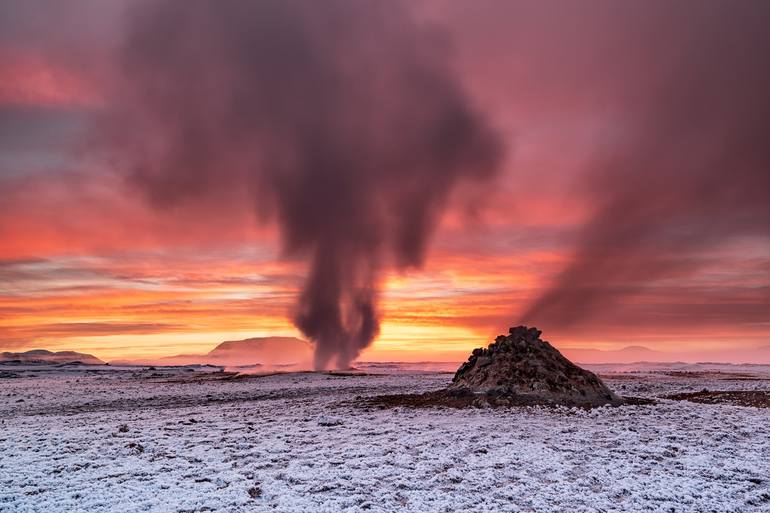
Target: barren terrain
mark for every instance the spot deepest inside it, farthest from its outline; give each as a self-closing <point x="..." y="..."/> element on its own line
<point x="102" y="439"/>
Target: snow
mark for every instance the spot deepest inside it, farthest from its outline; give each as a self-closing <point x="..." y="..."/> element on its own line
<point x="307" y="442"/>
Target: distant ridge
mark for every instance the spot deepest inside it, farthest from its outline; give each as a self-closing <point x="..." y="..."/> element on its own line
<point x="49" y="357"/>
<point x="637" y="348"/>
<point x="625" y="355"/>
<point x="263" y="351"/>
<point x="638" y="354"/>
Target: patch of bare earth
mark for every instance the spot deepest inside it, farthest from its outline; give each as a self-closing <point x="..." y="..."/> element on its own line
<point x="731" y="376"/>
<point x="463" y="398"/>
<point x="755" y="398"/>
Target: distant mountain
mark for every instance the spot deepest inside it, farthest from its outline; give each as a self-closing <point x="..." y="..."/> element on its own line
<point x="641" y="349"/>
<point x="635" y="354"/>
<point x="44" y="356"/>
<point x="264" y="351"/>
<point x="274" y="350"/>
<point x="626" y="355"/>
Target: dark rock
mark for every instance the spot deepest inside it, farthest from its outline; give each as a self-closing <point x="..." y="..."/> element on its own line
<point x="135" y="447"/>
<point x="483" y="361"/>
<point x="523" y="369"/>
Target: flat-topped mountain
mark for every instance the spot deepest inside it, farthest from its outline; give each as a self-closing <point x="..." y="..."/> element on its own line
<point x="266" y="351"/>
<point x="44" y="356"/>
<point x="272" y="350"/>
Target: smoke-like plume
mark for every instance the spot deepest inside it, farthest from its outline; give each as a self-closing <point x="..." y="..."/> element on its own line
<point x="690" y="169"/>
<point x="343" y="119"/>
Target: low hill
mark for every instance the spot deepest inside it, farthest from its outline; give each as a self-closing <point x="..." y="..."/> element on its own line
<point x="625" y="355"/>
<point x="264" y="351"/>
<point x="45" y="357"/>
<point x="275" y="350"/>
<point x="634" y="354"/>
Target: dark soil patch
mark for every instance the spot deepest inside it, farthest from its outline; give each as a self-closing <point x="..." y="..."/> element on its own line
<point x="202" y="377"/>
<point x="755" y="398"/>
<point x="245" y="376"/>
<point x="731" y="376"/>
<point x="463" y="398"/>
<point x="350" y="374"/>
<point x="195" y="377"/>
<point x="618" y="376"/>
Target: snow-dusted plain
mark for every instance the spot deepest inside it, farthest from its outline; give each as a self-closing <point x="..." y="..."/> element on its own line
<point x="126" y="440"/>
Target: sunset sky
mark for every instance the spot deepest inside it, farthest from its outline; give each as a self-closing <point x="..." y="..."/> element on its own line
<point x="629" y="202"/>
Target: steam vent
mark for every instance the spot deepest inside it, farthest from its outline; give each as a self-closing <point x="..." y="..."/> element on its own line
<point x="523" y="369"/>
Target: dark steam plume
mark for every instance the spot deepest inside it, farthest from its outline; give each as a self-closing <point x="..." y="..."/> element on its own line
<point x="343" y="119"/>
<point x="690" y="170"/>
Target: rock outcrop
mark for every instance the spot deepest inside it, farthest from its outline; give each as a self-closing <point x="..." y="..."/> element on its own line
<point x="520" y="368"/>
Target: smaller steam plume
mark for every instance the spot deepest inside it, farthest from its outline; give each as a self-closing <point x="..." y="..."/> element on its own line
<point x="692" y="169"/>
<point x="343" y="119"/>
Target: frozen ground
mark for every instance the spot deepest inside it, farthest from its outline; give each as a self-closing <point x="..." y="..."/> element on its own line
<point x="125" y="440"/>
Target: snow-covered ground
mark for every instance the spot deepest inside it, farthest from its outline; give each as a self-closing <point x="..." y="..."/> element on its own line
<point x="125" y="440"/>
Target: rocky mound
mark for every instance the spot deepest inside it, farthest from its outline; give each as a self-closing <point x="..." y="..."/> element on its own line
<point x="520" y="368"/>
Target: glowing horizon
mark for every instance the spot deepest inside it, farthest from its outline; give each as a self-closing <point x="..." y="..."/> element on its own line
<point x="88" y="264"/>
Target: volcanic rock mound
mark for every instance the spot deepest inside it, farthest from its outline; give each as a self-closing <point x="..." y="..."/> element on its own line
<point x="523" y="369"/>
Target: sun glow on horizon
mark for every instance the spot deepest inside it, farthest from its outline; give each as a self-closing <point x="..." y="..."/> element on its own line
<point x="89" y="262"/>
